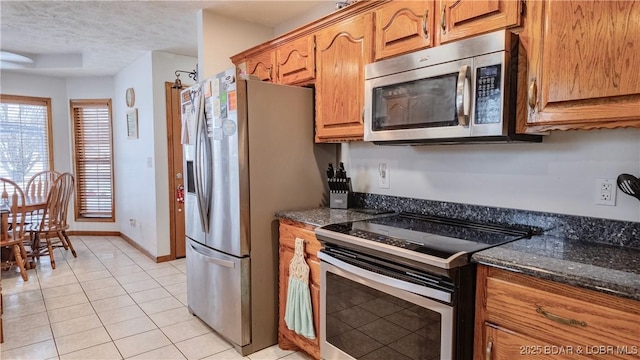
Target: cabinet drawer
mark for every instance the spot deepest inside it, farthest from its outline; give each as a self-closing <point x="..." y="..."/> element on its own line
<point x="541" y="309"/>
<point x="289" y="233"/>
<point x="505" y="344"/>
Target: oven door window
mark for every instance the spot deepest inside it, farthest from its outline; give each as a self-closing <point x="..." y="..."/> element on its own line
<point x="417" y="104"/>
<point x="367" y="323"/>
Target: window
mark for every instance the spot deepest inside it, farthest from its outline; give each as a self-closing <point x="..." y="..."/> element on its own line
<point x="25" y="137"/>
<point x="93" y="159"/>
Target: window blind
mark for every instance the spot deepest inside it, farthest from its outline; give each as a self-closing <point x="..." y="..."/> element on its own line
<point x="93" y="154"/>
<point x="25" y="143"/>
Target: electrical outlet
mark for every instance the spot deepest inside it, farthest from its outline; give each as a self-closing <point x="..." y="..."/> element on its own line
<point x="606" y="192"/>
<point x="383" y="176"/>
<point x="132" y="222"/>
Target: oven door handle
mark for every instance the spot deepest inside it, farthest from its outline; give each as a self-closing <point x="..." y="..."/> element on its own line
<point x="463" y="94"/>
<point x="386" y="280"/>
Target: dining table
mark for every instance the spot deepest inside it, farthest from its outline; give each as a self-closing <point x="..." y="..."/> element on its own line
<point x="31" y="204"/>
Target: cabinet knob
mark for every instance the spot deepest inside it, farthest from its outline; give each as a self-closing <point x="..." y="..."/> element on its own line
<point x="533" y="94"/>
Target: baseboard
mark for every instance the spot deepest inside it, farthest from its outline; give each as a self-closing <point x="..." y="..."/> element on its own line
<point x="129" y="240"/>
<point x="93" y="233"/>
<point x="164" y="258"/>
<point x="144" y="251"/>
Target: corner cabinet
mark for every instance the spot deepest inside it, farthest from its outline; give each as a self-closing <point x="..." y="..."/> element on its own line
<point x="402" y="27"/>
<point x="342" y="51"/>
<point x="465" y="18"/>
<point x="583" y="64"/>
<point x="289" y="231"/>
<point x="519" y="316"/>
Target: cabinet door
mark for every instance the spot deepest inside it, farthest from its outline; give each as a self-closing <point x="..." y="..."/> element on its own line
<point x="503" y="344"/>
<point x="402" y="27"/>
<point x="464" y="18"/>
<point x="341" y="54"/>
<point x="583" y="64"/>
<point x="295" y="61"/>
<point x="261" y="65"/>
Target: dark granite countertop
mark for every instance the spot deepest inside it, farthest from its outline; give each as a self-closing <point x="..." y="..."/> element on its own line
<point x="325" y="216"/>
<point x="600" y="267"/>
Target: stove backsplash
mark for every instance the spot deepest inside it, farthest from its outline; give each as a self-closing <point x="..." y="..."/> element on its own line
<point x="588" y="229"/>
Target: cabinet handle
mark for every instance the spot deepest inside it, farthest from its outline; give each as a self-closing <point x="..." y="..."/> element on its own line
<point x="271" y="73"/>
<point x="533" y="94"/>
<point x="487" y="351"/>
<point x="425" y="19"/>
<point x="443" y="20"/>
<point x="560" y="319"/>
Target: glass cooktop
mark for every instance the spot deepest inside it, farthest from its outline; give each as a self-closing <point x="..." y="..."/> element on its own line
<point x="430" y="235"/>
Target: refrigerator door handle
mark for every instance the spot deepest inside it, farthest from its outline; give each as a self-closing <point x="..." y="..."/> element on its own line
<point x="201" y="167"/>
<point x="213" y="260"/>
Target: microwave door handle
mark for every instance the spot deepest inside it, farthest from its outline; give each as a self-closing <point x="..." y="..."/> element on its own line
<point x="463" y="95"/>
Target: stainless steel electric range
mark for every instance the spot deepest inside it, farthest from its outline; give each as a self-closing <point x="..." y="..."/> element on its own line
<point x="402" y="286"/>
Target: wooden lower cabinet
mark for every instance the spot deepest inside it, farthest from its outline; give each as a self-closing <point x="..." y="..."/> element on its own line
<point x="288" y="339"/>
<point x="523" y="316"/>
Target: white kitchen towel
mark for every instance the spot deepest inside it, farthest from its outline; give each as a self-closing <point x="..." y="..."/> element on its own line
<point x="298" y="314"/>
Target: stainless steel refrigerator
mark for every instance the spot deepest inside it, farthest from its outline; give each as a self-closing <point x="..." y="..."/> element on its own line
<point x="249" y="153"/>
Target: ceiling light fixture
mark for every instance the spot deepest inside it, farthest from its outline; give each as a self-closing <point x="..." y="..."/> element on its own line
<point x="177" y="84"/>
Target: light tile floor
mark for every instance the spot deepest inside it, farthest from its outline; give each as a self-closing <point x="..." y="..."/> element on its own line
<point x="111" y="302"/>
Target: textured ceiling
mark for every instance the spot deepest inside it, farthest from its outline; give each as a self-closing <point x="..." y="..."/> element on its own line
<point x="99" y="38"/>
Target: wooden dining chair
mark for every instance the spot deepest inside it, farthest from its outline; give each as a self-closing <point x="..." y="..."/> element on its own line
<point x="54" y="219"/>
<point x="40" y="183"/>
<point x="13" y="229"/>
<point x="38" y="187"/>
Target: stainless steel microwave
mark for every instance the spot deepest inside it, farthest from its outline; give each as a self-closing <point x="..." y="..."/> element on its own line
<point x="459" y="92"/>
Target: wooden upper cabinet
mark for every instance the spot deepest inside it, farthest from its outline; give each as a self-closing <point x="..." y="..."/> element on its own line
<point x="295" y="61"/>
<point x="403" y="26"/>
<point x="262" y="65"/>
<point x="464" y="18"/>
<point x="583" y="64"/>
<point x="342" y="51"/>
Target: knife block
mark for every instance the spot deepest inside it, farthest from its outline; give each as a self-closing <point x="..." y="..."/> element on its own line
<point x="340" y="193"/>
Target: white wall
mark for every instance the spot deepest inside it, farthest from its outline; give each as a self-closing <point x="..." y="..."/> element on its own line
<point x="219" y="38"/>
<point x="135" y="185"/>
<point x="313" y="14"/>
<point x="558" y="175"/>
<point x="142" y="163"/>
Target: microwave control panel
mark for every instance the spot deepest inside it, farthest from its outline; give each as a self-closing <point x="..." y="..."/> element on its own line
<point x="488" y="95"/>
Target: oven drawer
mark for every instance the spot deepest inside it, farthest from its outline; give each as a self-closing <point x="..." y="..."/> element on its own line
<point x="559" y="314"/>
